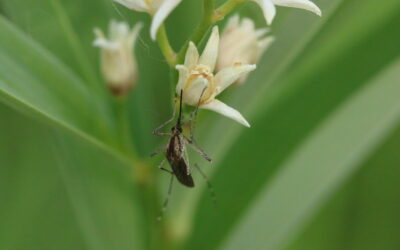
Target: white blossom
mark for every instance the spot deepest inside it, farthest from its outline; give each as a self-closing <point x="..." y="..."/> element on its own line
<point x="242" y="43"/>
<point x="269" y="10"/>
<point x="159" y="9"/>
<point x="199" y="84"/>
<point x="118" y="64"/>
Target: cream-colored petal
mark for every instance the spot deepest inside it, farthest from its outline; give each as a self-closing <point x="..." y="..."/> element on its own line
<point x="210" y="53"/>
<point x="265" y="43"/>
<point x="193" y="93"/>
<point x="138" y="5"/>
<point x="232" y="23"/>
<point x="300" y="4"/>
<point x="102" y="42"/>
<point x="268" y="9"/>
<point x="229" y="75"/>
<point x="192" y="56"/>
<point x="162" y="13"/>
<point x="134" y="33"/>
<point x="183" y="77"/>
<point x="259" y="33"/>
<point x="225" y="110"/>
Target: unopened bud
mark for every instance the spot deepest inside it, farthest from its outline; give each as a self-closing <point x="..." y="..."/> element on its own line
<point x="118" y="64"/>
<point x="242" y="43"/>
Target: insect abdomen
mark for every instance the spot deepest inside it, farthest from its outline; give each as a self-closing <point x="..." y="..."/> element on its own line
<point x="179" y="167"/>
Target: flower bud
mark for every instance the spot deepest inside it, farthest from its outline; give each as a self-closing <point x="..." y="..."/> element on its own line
<point x="242" y="43"/>
<point x="118" y="65"/>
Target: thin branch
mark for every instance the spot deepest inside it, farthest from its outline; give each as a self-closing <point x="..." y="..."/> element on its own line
<point x="165" y="46"/>
<point x="210" y="17"/>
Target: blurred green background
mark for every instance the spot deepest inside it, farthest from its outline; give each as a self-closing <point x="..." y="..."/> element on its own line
<point x="319" y="169"/>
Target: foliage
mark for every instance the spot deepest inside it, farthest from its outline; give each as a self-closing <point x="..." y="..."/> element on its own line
<point x="323" y="105"/>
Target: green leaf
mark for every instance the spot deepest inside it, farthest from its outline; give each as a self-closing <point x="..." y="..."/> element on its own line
<point x="310" y="76"/>
<point x="33" y="81"/>
<point x="340" y="144"/>
<point x="103" y="196"/>
<point x="90" y="205"/>
<point x="361" y="215"/>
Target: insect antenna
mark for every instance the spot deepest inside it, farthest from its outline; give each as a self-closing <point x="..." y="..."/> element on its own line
<point x="166" y="201"/>
<point x="194" y="116"/>
<point x="180" y="109"/>
<point x="209" y="185"/>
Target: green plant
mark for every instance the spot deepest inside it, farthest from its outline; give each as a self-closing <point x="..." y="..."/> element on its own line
<point x="323" y="103"/>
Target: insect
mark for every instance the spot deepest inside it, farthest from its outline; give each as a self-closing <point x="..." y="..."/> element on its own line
<point x="176" y="154"/>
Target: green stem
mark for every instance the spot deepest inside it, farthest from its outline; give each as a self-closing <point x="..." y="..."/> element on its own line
<point x="201" y="30"/>
<point x="225" y="9"/>
<point x="210" y="17"/>
<point x="144" y="179"/>
<point x="165" y="46"/>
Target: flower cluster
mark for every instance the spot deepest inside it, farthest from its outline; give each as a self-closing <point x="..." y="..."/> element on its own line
<point x="233" y="55"/>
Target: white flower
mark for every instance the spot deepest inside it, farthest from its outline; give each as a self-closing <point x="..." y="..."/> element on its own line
<point x="118" y="64"/>
<point x="196" y="79"/>
<point x="268" y="7"/>
<point x="159" y="9"/>
<point x="242" y="43"/>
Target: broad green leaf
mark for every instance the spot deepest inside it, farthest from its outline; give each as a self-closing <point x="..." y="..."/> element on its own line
<point x="62" y="194"/>
<point x="313" y="171"/>
<point x="103" y="196"/>
<point x="35" y="212"/>
<point x="361" y="215"/>
<point x="305" y="92"/>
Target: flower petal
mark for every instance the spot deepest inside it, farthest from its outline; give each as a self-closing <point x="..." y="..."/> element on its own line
<point x="162" y="13"/>
<point x="229" y="75"/>
<point x="210" y="53"/>
<point x="192" y="56"/>
<point x="183" y="77"/>
<point x="102" y="42"/>
<point x="232" y="23"/>
<point x="268" y="9"/>
<point x="134" y="33"/>
<point x="192" y="92"/>
<point x="138" y="5"/>
<point x="265" y="43"/>
<point x="300" y="4"/>
<point x="225" y="110"/>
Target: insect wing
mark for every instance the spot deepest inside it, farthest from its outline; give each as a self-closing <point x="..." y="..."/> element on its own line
<point x="180" y="170"/>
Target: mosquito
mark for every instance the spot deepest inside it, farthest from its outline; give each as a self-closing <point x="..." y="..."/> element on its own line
<point x="176" y="154"/>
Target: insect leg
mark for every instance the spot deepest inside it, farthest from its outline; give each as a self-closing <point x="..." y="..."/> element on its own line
<point x="161" y="166"/>
<point x="193" y="116"/>
<point x="157" y="130"/>
<point x="187" y="163"/>
<point x="166" y="201"/>
<point x="163" y="148"/>
<point x="196" y="148"/>
<point x="209" y="185"/>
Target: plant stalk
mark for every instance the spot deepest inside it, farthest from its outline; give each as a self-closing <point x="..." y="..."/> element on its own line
<point x="165" y="46"/>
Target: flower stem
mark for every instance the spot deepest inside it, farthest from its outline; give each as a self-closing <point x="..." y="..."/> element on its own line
<point x="165" y="46"/>
<point x="210" y="17"/>
<point x="201" y="30"/>
<point x="225" y="9"/>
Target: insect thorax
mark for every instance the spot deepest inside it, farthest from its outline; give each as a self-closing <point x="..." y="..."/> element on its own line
<point x="176" y="147"/>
